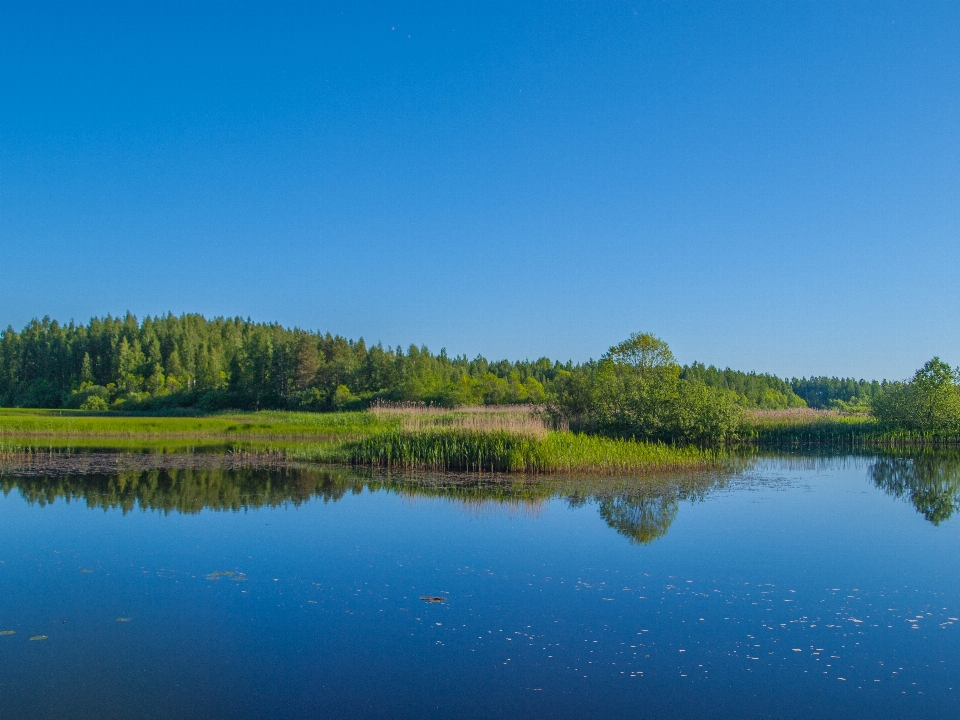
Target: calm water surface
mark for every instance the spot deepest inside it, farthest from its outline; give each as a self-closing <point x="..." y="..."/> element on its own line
<point x="796" y="588"/>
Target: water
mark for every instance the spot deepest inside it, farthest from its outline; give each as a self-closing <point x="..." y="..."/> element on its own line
<point x="795" y="588"/>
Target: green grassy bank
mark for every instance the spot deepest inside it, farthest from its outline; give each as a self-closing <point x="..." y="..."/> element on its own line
<point x="221" y="426"/>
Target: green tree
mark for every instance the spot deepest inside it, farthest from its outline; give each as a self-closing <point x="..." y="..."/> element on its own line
<point x="306" y="361"/>
<point x="636" y="390"/>
<point x="130" y="361"/>
<point x="936" y="399"/>
<point x="928" y="403"/>
<point x="644" y="352"/>
<point x="86" y="371"/>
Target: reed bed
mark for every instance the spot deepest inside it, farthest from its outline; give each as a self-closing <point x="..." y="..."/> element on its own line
<point x="381" y="407"/>
<point x="471" y="450"/>
<point x="806" y="427"/>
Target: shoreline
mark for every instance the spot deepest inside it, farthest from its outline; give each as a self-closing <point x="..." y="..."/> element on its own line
<point x="502" y="439"/>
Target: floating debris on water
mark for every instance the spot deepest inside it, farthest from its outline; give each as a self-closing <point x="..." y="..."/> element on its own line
<point x="85" y="570"/>
<point x="8" y="632"/>
<point x="433" y="598"/>
<point x="39" y="637"/>
<point x="233" y="575"/>
<point x="123" y="619"/>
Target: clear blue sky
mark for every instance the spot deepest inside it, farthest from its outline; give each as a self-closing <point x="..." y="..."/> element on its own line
<point x="770" y="186"/>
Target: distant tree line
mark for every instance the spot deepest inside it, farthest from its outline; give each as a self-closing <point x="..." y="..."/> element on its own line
<point x="768" y="392"/>
<point x="753" y="390"/>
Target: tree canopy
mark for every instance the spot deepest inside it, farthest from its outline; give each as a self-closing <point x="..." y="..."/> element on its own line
<point x="190" y="361"/>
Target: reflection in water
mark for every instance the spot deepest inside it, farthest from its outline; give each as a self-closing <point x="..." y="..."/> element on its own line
<point x="184" y="490"/>
<point x="931" y="481"/>
<point x="642" y="519"/>
<point x="386" y="601"/>
<point x="928" y="478"/>
<point x="641" y="509"/>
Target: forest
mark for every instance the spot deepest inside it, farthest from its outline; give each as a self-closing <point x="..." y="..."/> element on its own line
<point x="636" y="390"/>
<point x="189" y="361"/>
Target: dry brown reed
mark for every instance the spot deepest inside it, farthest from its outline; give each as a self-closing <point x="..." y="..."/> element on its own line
<point x="790" y="415"/>
<point x="517" y="419"/>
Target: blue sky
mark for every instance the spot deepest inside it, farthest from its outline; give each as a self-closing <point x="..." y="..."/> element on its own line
<point x="770" y="186"/>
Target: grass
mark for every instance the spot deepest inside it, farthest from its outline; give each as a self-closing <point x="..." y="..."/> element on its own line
<point x="223" y="426"/>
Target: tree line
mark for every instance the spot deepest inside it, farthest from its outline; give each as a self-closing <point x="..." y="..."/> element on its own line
<point x="768" y="392"/>
<point x="189" y="361"/>
<point x="637" y="389"/>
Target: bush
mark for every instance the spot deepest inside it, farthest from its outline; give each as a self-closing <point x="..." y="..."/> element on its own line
<point x="636" y="391"/>
<point x="89" y="397"/>
<point x="343" y="399"/>
<point x="95" y="403"/>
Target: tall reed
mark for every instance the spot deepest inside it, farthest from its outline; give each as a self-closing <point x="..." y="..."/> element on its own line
<point x="801" y="427"/>
<point x="472" y="450"/>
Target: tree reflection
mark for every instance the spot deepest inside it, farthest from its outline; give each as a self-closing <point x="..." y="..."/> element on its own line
<point x="640" y="509"/>
<point x="640" y="518"/>
<point x="184" y="490"/>
<point x="930" y="481"/>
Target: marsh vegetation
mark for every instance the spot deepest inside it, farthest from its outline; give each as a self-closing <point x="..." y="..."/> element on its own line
<point x="516" y="439"/>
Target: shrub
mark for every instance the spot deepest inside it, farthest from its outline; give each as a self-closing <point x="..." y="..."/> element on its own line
<point x="636" y="391"/>
<point x="94" y="402"/>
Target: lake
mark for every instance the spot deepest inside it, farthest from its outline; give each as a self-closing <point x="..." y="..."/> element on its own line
<point x="787" y="587"/>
